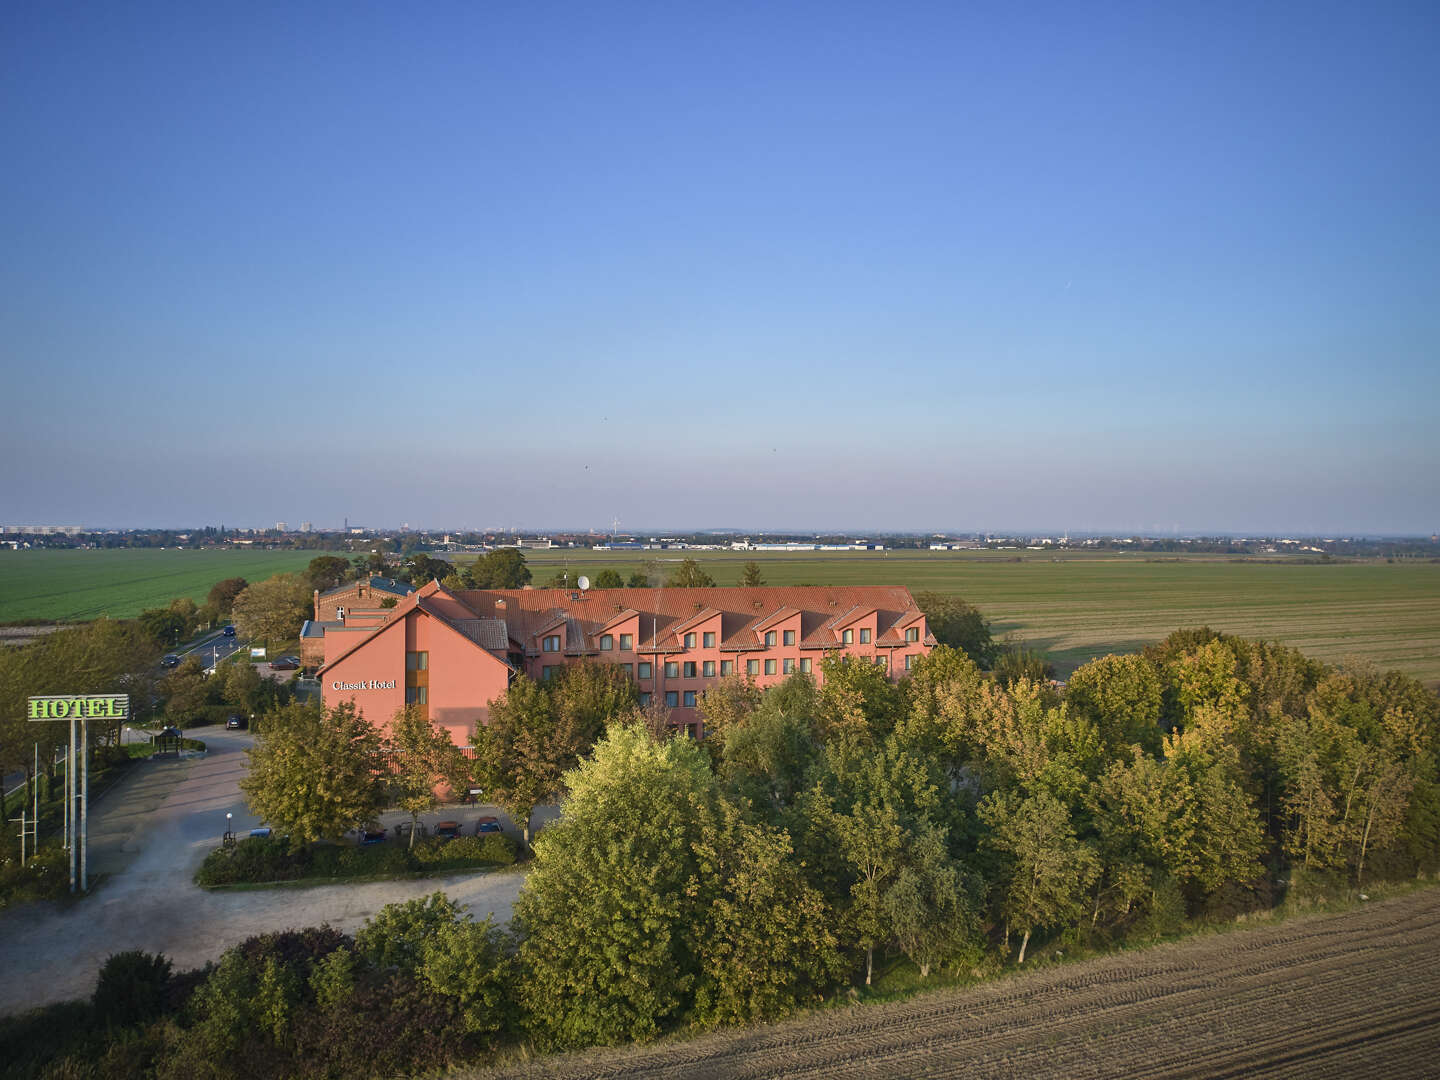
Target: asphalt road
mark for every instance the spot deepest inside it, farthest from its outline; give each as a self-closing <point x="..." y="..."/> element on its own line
<point x="146" y="839"/>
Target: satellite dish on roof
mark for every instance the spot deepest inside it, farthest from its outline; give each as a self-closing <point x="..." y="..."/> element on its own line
<point x="583" y="582"/>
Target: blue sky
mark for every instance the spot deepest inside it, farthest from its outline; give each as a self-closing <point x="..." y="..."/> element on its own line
<point x="770" y="265"/>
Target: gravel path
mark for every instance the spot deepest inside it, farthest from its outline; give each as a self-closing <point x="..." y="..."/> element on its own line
<point x="147" y="837"/>
<point x="1355" y="994"/>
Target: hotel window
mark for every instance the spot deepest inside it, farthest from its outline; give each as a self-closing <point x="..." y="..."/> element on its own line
<point x="727" y="667"/>
<point x="769" y="639"/>
<point x="551" y="643"/>
<point x="865" y="636"/>
<point x="787" y="666"/>
<point x="752" y="667"/>
<point x="689" y="699"/>
<point x="708" y="670"/>
<point x="805" y="664"/>
<point x="644" y="670"/>
<point x="689" y="669"/>
<point x="417" y="661"/>
<point x="672" y="699"/>
<point x="847" y="637"/>
<point x="909" y="661"/>
<point x="912" y="633"/>
<point x="769" y="667"/>
<point x="709" y="640"/>
<point x="417" y="695"/>
<point x="672" y="669"/>
<point x="607" y="642"/>
<point x="789" y="637"/>
<point x="882" y="662"/>
<point x="626" y="642"/>
<point x="689" y="641"/>
<point x="645" y="696"/>
<point x="629" y="669"/>
<point x="547" y="673"/>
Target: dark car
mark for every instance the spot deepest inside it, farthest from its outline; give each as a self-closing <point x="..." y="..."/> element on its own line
<point x="170" y="660"/>
<point x="372" y="834"/>
<point x="236" y="723"/>
<point x="447" y="830"/>
<point x="487" y="825"/>
<point x="285" y="663"/>
<point x="229" y="631"/>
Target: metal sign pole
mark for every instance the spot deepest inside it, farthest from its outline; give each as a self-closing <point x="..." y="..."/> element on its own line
<point x="84" y="801"/>
<point x="70" y="801"/>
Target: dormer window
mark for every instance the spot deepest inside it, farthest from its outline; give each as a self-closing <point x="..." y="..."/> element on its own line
<point x="789" y="637"/>
<point x="865" y="636"/>
<point x="912" y="633"/>
<point x="626" y="642"/>
<point x="847" y="637"/>
<point x="709" y="640"/>
<point x="689" y="641"/>
<point x="769" y="639"/>
<point x="607" y="642"/>
<point x="551" y="643"/>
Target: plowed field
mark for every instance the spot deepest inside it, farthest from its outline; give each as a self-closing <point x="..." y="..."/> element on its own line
<point x="1355" y="994"/>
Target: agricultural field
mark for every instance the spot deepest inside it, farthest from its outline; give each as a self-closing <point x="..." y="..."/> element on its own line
<point x="1354" y="994"/>
<point x="75" y="585"/>
<point x="1076" y="607"/>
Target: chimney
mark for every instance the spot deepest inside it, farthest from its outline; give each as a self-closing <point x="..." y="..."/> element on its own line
<point x="500" y="604"/>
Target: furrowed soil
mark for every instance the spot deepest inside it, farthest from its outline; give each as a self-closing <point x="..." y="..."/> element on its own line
<point x="1353" y="994"/>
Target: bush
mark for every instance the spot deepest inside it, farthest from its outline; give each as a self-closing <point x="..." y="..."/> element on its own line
<point x="463" y="852"/>
<point x="396" y="935"/>
<point x="46" y="876"/>
<point x="131" y="988"/>
<point x="254" y="859"/>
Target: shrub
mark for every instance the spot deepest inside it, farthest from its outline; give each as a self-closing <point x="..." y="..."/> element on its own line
<point x="468" y="961"/>
<point x="43" y="877"/>
<point x="493" y="849"/>
<point x="396" y="935"/>
<point x="254" y="859"/>
<point x="131" y="988"/>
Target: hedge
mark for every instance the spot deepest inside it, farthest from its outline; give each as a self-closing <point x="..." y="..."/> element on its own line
<point x="259" y="860"/>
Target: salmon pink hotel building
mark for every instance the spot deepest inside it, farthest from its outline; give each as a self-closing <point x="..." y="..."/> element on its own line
<point x="454" y="652"/>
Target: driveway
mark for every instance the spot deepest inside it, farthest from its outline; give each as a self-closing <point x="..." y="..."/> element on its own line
<point x="146" y="838"/>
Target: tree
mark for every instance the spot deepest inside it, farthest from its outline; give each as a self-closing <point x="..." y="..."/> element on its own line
<point x="1048" y="870"/>
<point x="185" y="690"/>
<point x="612" y="909"/>
<point x="223" y="593"/>
<point x="468" y="961"/>
<point x="421" y="756"/>
<point x="1020" y="662"/>
<point x="164" y="625"/>
<point x="638" y="580"/>
<point x="750" y="575"/>
<point x="689" y="575"/>
<point x="564" y="578"/>
<point x="315" y="773"/>
<point x="502" y="569"/>
<point x="856" y="698"/>
<point x="957" y="624"/>
<point x="327" y="572"/>
<point x="273" y="609"/>
<point x="608" y="579"/>
<point x="422" y="569"/>
<point x="928" y="905"/>
<point x="1122" y="695"/>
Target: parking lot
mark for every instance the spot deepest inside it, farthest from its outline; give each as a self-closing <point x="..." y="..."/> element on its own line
<point x="146" y="839"/>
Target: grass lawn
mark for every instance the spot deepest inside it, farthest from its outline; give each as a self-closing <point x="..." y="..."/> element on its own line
<point x="1078" y="606"/>
<point x="74" y="585"/>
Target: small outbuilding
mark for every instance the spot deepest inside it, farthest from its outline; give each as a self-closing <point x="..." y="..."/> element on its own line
<point x="167" y="741"/>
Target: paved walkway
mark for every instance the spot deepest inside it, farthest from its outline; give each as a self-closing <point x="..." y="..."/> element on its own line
<point x="147" y="837"/>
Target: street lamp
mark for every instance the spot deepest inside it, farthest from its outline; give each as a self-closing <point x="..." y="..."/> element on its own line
<point x="229" y="834"/>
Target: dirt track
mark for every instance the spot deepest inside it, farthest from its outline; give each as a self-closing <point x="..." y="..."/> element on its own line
<point x="1344" y="995"/>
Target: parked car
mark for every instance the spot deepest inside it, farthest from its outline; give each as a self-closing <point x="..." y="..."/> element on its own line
<point x="236" y="723"/>
<point x="447" y="830"/>
<point x="229" y="631"/>
<point x="170" y="660"/>
<point x="285" y="663"/>
<point x="487" y="825"/>
<point x="372" y="834"/>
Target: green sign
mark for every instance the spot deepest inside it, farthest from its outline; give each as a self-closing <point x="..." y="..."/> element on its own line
<point x="80" y="707"/>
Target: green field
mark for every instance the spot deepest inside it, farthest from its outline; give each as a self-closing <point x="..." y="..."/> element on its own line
<point x="1083" y="606"/>
<point x="122" y="582"/>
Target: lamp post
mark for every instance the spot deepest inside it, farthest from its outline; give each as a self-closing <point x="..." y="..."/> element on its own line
<point x="229" y="837"/>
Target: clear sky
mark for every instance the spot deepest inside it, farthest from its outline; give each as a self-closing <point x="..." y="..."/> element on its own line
<point x="767" y="265"/>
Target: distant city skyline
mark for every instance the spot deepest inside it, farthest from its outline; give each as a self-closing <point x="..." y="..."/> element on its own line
<point x="1129" y="267"/>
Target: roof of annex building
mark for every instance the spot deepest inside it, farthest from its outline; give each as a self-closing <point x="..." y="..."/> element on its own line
<point x="384" y="584"/>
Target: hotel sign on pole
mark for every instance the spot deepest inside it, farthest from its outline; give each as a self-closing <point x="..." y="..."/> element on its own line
<point x="80" y="707"/>
<point x="84" y="708"/>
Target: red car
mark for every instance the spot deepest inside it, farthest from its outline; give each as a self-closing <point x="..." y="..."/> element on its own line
<point x="487" y="825"/>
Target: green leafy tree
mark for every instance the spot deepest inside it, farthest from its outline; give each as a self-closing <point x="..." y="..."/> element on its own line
<point x="750" y="575"/>
<point x="638" y="580"/>
<point x="959" y="625"/>
<point x="223" y="593"/>
<point x="689" y="575"/>
<point x="1048" y="872"/>
<point x="396" y="936"/>
<point x="856" y="699"/>
<point x="420" y="756"/>
<point x="164" y="625"/>
<point x="1122" y="695"/>
<point x="186" y="690"/>
<point x="502" y="569"/>
<point x="612" y="908"/>
<point x="469" y="961"/>
<point x="421" y="569"/>
<point x="928" y="905"/>
<point x="723" y="705"/>
<point x="608" y="579"/>
<point x="326" y="572"/>
<point x="516" y="759"/>
<point x="273" y="609"/>
<point x="767" y="941"/>
<point x="315" y="773"/>
<point x="1018" y="661"/>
